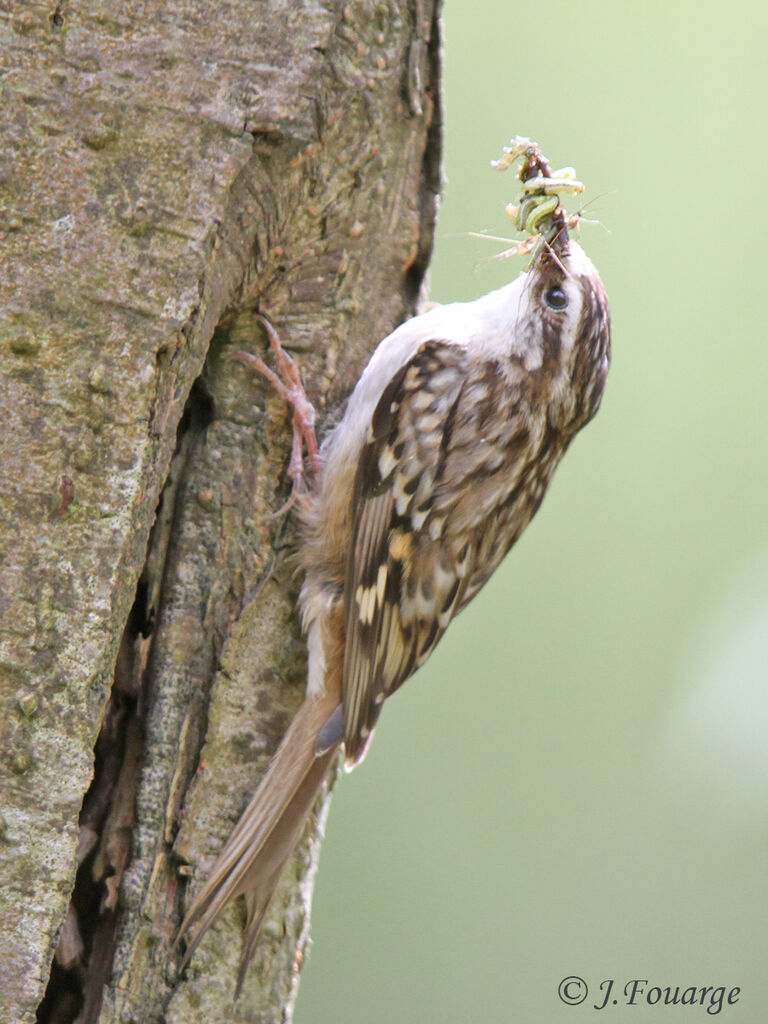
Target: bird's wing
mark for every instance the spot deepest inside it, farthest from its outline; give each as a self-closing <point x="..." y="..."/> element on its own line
<point x="415" y="540"/>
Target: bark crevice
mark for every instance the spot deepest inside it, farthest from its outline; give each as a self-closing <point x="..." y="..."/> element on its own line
<point x="82" y="964"/>
<point x="205" y="165"/>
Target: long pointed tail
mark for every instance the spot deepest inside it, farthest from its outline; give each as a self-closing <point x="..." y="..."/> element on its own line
<point x="259" y="848"/>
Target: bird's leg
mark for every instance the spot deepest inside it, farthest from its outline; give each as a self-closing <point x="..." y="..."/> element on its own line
<point x="287" y="383"/>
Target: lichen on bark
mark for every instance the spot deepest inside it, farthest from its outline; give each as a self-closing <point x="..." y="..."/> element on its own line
<point x="167" y="170"/>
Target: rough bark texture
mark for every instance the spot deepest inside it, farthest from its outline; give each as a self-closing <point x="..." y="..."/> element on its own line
<point x="167" y="169"/>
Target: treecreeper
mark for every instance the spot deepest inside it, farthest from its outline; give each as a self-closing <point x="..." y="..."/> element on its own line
<point x="444" y="454"/>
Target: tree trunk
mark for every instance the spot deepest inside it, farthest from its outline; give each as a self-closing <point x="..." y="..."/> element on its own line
<point x="167" y="170"/>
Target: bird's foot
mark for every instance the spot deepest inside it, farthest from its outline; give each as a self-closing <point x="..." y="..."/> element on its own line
<point x="287" y="383"/>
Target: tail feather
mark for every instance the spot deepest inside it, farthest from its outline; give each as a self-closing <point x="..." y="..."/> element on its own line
<point x="261" y="844"/>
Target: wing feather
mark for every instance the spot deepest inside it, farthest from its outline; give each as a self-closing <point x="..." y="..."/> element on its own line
<point x="419" y="535"/>
<point x="397" y="465"/>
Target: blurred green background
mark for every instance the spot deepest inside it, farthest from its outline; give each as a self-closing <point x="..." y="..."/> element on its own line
<point x="577" y="782"/>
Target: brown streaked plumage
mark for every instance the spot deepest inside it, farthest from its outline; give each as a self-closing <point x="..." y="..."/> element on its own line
<point x="444" y="454"/>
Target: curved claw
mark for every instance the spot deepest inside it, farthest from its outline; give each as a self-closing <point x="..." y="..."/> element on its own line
<point x="287" y="383"/>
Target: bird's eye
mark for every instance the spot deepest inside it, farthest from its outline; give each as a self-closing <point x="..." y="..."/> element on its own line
<point x="556" y="298"/>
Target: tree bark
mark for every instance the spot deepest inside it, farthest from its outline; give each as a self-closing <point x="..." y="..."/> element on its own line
<point x="166" y="171"/>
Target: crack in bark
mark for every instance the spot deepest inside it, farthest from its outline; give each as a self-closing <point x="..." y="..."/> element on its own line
<point x="330" y="232"/>
<point x="56" y="17"/>
<point x="83" y="960"/>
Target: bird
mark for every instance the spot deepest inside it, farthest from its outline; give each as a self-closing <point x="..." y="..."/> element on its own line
<point x="442" y="457"/>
